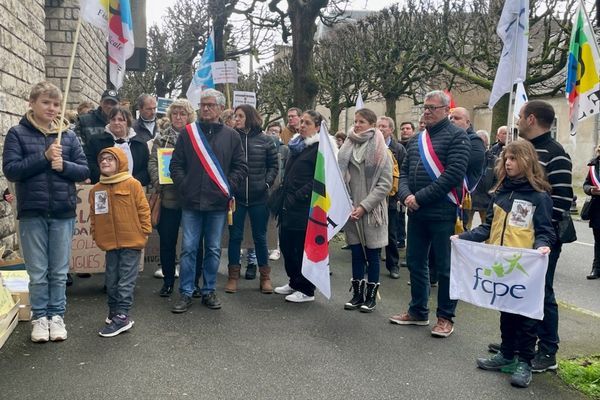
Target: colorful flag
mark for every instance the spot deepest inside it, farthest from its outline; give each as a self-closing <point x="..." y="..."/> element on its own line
<point x="114" y="18"/>
<point x="451" y="98"/>
<point x="202" y="78"/>
<point x="583" y="83"/>
<point x="513" y="29"/>
<point x="359" y="101"/>
<point x="497" y="277"/>
<point x="326" y="217"/>
<point x="520" y="99"/>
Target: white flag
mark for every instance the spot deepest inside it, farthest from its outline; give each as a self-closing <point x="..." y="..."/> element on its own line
<point x="497" y="277"/>
<point x="359" y="102"/>
<point x="513" y="29"/>
<point x="202" y="78"/>
<point x="520" y="99"/>
<point x="330" y="207"/>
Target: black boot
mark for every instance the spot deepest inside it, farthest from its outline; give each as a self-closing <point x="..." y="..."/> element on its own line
<point x="370" y="297"/>
<point x="358" y="298"/>
<point x="595" y="274"/>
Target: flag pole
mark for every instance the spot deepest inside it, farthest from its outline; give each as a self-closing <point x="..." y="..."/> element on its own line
<point x="69" y="74"/>
<point x="510" y="123"/>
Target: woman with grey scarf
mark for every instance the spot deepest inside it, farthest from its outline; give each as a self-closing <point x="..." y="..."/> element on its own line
<point x="366" y="166"/>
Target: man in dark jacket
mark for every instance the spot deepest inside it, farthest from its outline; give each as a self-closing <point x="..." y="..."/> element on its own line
<point x="145" y="126"/>
<point x="205" y="203"/>
<point x="45" y="171"/>
<point x="535" y="119"/>
<point x="432" y="215"/>
<point x="392" y="257"/>
<point x="500" y="141"/>
<point x="95" y="121"/>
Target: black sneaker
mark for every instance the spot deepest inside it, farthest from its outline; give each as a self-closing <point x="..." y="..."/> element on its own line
<point x="210" y="300"/>
<point x="197" y="293"/>
<point x="166" y="291"/>
<point x="543" y="362"/>
<point x="119" y="324"/>
<point x="182" y="304"/>
<point x="522" y="375"/>
<point x="250" y="272"/>
<point x="494" y="347"/>
<point x="494" y="363"/>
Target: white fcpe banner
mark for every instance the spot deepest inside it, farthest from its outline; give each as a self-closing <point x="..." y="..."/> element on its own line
<point x="501" y="278"/>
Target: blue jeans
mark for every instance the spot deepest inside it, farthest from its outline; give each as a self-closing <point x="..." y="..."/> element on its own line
<point x="122" y="267"/>
<point x="359" y="262"/>
<point x="46" y="246"/>
<point x="422" y="235"/>
<point x="197" y="225"/>
<point x="259" y="215"/>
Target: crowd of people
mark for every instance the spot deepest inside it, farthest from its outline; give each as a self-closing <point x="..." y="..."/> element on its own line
<point x="418" y="191"/>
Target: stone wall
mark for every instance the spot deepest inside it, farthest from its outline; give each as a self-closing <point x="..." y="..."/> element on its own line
<point x="36" y="39"/>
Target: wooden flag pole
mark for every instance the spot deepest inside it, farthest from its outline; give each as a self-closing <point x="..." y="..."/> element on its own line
<point x="69" y="74"/>
<point x="228" y="95"/>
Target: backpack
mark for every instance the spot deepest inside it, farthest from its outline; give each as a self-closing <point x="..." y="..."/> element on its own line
<point x="395" y="175"/>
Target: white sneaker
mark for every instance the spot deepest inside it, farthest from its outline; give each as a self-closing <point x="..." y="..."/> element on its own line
<point x="159" y="274"/>
<point x="299" y="297"/>
<point x="177" y="271"/>
<point x="275" y="255"/>
<point x="285" y="289"/>
<point x="57" y="329"/>
<point x="40" y="332"/>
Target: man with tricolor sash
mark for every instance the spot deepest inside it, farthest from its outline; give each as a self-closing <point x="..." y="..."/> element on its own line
<point x="207" y="166"/>
<point x="430" y="187"/>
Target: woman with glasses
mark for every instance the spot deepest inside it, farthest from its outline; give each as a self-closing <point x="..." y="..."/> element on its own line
<point x="366" y="165"/>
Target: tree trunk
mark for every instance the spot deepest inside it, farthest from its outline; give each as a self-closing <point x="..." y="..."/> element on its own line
<point x="499" y="116"/>
<point x="335" y="111"/>
<point x="390" y="107"/>
<point x="302" y="16"/>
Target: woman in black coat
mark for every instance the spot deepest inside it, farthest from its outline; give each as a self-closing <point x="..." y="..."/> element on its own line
<point x="591" y="187"/>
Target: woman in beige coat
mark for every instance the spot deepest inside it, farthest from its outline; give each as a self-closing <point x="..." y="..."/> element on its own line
<point x="366" y="165"/>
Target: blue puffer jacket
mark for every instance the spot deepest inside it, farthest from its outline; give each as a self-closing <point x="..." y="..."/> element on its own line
<point x="42" y="191"/>
<point x="453" y="148"/>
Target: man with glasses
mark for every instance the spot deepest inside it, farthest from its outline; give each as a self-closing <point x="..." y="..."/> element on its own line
<point x="431" y="212"/>
<point x="207" y="166"/>
<point x="293" y="117"/>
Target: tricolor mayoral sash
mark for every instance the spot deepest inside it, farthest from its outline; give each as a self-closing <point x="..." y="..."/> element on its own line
<point x="211" y="164"/>
<point x="594" y="177"/>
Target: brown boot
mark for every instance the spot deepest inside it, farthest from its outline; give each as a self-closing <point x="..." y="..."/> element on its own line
<point x="234" y="275"/>
<point x="265" y="281"/>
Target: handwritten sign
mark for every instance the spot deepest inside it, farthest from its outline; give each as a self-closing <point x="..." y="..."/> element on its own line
<point x="225" y="72"/>
<point x="240" y="98"/>
<point x="86" y="257"/>
<point x="164" y="160"/>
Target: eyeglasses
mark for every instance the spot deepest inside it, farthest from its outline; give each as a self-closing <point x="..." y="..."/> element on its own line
<point x="107" y="158"/>
<point x="209" y="105"/>
<point x="429" y="107"/>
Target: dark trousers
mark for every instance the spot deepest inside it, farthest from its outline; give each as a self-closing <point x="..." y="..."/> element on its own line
<point x="122" y="267"/>
<point x="596" y="263"/>
<point x="259" y="216"/>
<point x="547" y="329"/>
<point x="168" y="230"/>
<point x="518" y="335"/>
<point x="423" y="235"/>
<point x="391" y="250"/>
<point x="291" y="243"/>
<point x="361" y="256"/>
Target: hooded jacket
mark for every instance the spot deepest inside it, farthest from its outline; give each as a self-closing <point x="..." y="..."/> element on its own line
<point x="519" y="216"/>
<point x="90" y="124"/>
<point x="123" y="222"/>
<point x="42" y="191"/>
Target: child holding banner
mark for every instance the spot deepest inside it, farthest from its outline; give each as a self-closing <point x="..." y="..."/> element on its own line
<point x="520" y="215"/>
<point x="120" y="219"/>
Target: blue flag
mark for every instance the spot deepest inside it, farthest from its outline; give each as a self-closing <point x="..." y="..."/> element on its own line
<point x="202" y="78"/>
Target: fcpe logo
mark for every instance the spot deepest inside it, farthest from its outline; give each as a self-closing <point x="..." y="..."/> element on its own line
<point x="489" y="284"/>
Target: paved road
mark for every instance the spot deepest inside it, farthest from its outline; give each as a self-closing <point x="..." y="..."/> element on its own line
<point x="259" y="347"/>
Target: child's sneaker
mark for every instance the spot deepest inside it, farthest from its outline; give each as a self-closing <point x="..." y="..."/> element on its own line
<point x="58" y="331"/>
<point x="111" y="315"/>
<point x="120" y="323"/>
<point x="522" y="375"/>
<point x="40" y="332"/>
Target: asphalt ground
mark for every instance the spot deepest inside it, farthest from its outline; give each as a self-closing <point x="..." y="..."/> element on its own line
<point x="260" y="347"/>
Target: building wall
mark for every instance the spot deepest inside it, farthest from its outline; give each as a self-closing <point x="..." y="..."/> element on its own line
<point x="36" y="39"/>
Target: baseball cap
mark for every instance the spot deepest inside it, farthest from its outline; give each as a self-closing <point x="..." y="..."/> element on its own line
<point x="110" y="94"/>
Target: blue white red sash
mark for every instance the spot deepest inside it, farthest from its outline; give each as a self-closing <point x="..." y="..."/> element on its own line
<point x="433" y="165"/>
<point x="208" y="158"/>
<point x="594" y="177"/>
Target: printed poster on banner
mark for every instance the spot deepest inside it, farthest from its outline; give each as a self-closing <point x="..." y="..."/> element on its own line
<point x="499" y="278"/>
<point x="240" y="98"/>
<point x="225" y="72"/>
<point x="164" y="161"/>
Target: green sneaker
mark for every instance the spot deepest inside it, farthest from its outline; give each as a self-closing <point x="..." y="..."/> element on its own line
<point x="522" y="375"/>
<point x="495" y="363"/>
